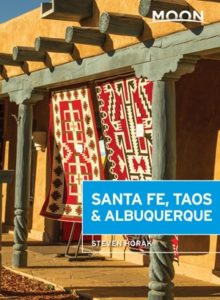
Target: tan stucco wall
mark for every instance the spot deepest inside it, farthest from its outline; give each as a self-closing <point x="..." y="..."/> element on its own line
<point x="37" y="225"/>
<point x="39" y="171"/>
<point x="23" y="30"/>
<point x="10" y="136"/>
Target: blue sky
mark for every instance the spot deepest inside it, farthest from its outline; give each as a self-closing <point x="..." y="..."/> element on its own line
<point x="12" y="8"/>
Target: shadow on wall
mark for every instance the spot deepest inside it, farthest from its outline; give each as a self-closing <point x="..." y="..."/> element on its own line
<point x="194" y="244"/>
<point x="41" y="176"/>
<point x="10" y="140"/>
<point x="198" y="124"/>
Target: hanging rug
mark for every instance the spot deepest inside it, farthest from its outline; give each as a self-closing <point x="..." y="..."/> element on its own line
<point x="125" y="110"/>
<point x="74" y="153"/>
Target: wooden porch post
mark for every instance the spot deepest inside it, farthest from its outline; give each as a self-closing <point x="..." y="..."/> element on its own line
<point x="163" y="167"/>
<point x="22" y="184"/>
<point x="161" y="271"/>
<point x="164" y="130"/>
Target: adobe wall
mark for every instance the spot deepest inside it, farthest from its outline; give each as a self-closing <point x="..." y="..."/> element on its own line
<point x="198" y="154"/>
<point x="10" y="138"/>
<point x="23" y="30"/>
<point x="40" y="172"/>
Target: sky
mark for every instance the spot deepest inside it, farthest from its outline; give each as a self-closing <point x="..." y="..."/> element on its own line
<point x="12" y="8"/>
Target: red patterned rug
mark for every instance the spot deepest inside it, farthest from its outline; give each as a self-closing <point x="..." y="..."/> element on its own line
<point x="74" y="153"/>
<point x="175" y="243"/>
<point x="125" y="108"/>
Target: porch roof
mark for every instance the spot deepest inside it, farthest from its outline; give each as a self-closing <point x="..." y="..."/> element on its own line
<point x="23" y="30"/>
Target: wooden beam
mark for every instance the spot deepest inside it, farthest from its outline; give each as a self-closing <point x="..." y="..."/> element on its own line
<point x="68" y="10"/>
<point x="28" y="54"/>
<point x="45" y="6"/>
<point x="85" y="35"/>
<point x="147" y="6"/>
<point x="121" y="24"/>
<point x="3" y="72"/>
<point x="38" y="94"/>
<point x="53" y="45"/>
<point x="7" y="59"/>
<point x="215" y="56"/>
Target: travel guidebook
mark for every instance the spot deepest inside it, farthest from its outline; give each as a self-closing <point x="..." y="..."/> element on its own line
<point x="110" y="149"/>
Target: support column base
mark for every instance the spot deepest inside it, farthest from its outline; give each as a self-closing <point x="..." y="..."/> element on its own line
<point x="19" y="259"/>
<point x="156" y="295"/>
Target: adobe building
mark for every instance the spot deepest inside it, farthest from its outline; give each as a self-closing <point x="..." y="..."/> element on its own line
<point x="123" y="69"/>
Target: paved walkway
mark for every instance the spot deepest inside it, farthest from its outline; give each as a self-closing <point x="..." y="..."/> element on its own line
<point x="112" y="280"/>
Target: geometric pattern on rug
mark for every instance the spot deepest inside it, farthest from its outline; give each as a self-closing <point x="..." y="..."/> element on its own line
<point x="74" y="153"/>
<point x="125" y="106"/>
<point x="124" y="103"/>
